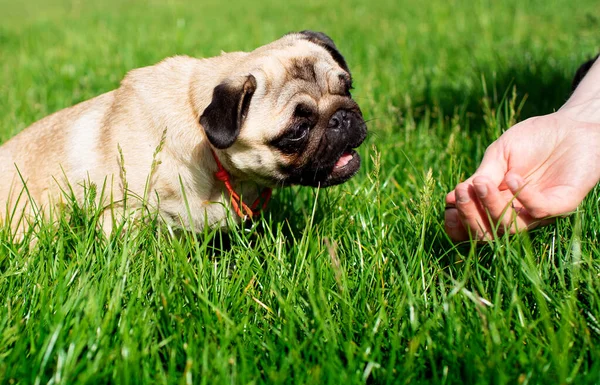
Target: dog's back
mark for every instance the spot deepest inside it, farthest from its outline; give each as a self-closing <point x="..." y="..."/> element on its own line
<point x="93" y="141"/>
<point x="66" y="140"/>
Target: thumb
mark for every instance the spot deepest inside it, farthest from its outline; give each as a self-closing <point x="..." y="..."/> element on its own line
<point x="451" y="198"/>
<point x="493" y="166"/>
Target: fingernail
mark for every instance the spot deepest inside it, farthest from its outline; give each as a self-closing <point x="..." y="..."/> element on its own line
<point x="451" y="220"/>
<point x="481" y="190"/>
<point x="512" y="184"/>
<point x="462" y="195"/>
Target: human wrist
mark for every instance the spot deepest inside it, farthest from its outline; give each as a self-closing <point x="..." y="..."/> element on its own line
<point x="582" y="109"/>
<point x="584" y="103"/>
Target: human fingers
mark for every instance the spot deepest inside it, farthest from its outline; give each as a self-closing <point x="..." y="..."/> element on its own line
<point x="506" y="213"/>
<point x="453" y="225"/>
<point x="451" y="199"/>
<point x="493" y="165"/>
<point x="542" y="203"/>
<point x="471" y="213"/>
<point x="474" y="221"/>
<point x="503" y="215"/>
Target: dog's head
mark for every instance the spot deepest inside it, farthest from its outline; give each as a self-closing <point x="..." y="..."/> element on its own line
<point x="285" y="115"/>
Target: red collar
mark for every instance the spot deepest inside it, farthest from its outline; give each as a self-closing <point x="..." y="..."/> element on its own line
<point x="222" y="175"/>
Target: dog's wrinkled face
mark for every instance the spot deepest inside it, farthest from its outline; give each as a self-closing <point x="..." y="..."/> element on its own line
<point x="287" y="117"/>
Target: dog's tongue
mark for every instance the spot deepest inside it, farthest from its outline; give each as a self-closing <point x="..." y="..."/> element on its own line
<point x="344" y="159"/>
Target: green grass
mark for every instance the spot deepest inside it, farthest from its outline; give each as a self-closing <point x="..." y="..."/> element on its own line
<point x="349" y="285"/>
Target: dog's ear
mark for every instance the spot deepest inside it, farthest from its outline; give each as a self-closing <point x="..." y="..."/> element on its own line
<point x="224" y="116"/>
<point x="582" y="71"/>
<point x="325" y="41"/>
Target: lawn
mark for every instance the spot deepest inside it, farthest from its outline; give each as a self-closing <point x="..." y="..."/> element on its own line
<point x="348" y="285"/>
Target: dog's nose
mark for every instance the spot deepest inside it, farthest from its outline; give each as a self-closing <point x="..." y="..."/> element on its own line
<point x="339" y="120"/>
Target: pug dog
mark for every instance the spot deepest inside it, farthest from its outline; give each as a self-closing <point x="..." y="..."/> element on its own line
<point x="195" y="139"/>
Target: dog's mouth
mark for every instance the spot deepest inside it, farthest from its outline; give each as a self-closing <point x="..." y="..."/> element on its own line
<point x="332" y="163"/>
<point x="344" y="168"/>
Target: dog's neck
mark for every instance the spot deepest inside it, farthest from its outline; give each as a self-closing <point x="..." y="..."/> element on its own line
<point x="240" y="208"/>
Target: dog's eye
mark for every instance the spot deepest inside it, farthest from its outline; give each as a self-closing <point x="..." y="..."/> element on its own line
<point x="294" y="139"/>
<point x="299" y="132"/>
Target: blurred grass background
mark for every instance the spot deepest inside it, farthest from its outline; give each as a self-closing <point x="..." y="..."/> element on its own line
<point x="354" y="284"/>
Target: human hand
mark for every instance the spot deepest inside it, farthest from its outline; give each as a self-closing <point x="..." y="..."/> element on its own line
<point x="538" y="169"/>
